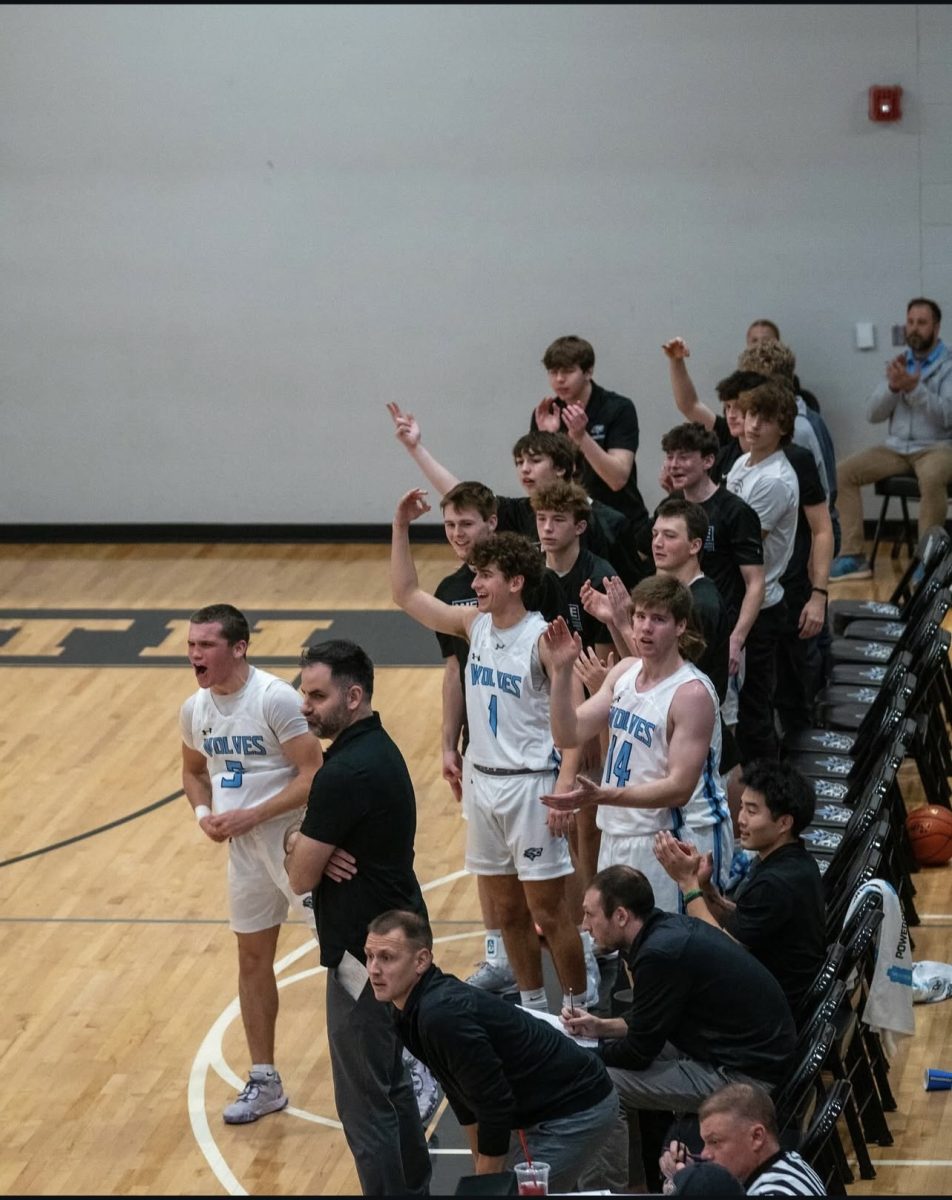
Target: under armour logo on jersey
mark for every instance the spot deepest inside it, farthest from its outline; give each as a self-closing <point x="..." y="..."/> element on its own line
<point x="532" y="853"/>
<point x="207" y="732"/>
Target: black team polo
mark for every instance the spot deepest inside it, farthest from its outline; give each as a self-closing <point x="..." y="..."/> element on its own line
<point x="362" y="801"/>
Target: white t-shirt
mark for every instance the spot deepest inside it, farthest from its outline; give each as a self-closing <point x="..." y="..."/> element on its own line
<point x="773" y="492"/>
<point x="241" y="735"/>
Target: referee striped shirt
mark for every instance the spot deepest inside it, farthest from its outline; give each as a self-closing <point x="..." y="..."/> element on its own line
<point x="786" y="1174"/>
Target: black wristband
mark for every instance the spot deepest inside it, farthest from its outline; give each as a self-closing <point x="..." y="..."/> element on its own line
<point x="822" y="591"/>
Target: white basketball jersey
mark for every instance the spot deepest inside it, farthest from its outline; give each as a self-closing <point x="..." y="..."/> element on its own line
<point x="638" y="753"/>
<point x="507" y="696"/>
<point x="245" y="760"/>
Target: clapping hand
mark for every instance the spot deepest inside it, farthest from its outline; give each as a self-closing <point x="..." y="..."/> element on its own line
<point x="681" y="860"/>
<point x="548" y="415"/>
<point x="899" y="378"/>
<point x="591" y="670"/>
<point x="562" y="644"/>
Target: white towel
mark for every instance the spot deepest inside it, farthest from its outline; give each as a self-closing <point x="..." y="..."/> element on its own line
<point x="888" y="1010"/>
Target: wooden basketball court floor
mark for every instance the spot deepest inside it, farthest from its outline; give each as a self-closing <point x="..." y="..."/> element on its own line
<point x="120" y="1038"/>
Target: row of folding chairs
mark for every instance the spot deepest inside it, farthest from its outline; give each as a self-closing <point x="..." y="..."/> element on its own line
<point x="889" y="699"/>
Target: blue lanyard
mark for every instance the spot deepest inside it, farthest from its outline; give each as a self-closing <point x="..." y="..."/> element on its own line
<point x="912" y="366"/>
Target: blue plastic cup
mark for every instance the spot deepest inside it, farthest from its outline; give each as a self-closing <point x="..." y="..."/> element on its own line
<point x="934" y="1080"/>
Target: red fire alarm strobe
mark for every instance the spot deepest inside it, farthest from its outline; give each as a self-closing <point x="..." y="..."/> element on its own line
<point x="885" y="103"/>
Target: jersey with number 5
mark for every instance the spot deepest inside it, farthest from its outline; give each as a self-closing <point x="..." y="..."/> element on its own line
<point x="507" y="697"/>
<point x="241" y="735"/>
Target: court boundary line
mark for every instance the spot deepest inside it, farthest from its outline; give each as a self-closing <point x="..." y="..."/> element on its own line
<point x="209" y="1055"/>
<point x="80" y="837"/>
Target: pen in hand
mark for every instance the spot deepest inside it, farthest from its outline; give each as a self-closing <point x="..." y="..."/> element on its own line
<point x="571" y="1003"/>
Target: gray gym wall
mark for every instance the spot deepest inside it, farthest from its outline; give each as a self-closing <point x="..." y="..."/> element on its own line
<point x="231" y="233"/>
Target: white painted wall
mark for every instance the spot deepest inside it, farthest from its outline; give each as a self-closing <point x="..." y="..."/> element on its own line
<point x="231" y="233"/>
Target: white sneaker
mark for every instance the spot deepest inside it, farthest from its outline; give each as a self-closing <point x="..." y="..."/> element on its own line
<point x="262" y="1094"/>
<point x="494" y="977"/>
<point x="426" y="1087"/>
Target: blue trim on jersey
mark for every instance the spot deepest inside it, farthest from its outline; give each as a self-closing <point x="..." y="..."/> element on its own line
<point x="712" y="792"/>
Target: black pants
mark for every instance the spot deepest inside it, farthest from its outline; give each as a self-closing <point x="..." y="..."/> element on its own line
<point x="799" y="668"/>
<point x="756" y="732"/>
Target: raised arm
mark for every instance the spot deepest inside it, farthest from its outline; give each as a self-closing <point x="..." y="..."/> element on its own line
<point x="682" y="386"/>
<point x="408" y="432"/>
<point x="407" y="593"/>
<point x="572" y="723"/>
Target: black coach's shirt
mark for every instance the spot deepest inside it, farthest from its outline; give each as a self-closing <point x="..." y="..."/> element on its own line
<point x="362" y="801"/>
<point x="501" y="1068"/>
<point x="613" y="424"/>
<point x="781" y="917"/>
<point x="706" y="995"/>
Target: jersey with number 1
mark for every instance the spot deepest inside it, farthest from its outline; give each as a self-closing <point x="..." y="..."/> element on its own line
<point x="240" y="735"/>
<point x="507" y="697"/>
<point x="638" y="753"/>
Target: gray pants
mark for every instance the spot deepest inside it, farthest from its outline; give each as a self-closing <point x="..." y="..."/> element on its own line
<point x="374" y="1097"/>
<point x="671" y="1082"/>
<point x="569" y="1144"/>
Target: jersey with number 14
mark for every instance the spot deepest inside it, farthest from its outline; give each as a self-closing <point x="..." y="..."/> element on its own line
<point x="507" y="697"/>
<point x="241" y="734"/>
<point x="638" y="753"/>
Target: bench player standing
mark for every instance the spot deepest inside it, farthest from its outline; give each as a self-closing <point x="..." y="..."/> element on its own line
<point x="248" y="759"/>
<point x="523" y="856"/>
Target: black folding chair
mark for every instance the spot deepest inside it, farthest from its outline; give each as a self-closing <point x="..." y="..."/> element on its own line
<point x="798" y="1092"/>
<point x="821" y="1146"/>
<point x="934" y="545"/>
